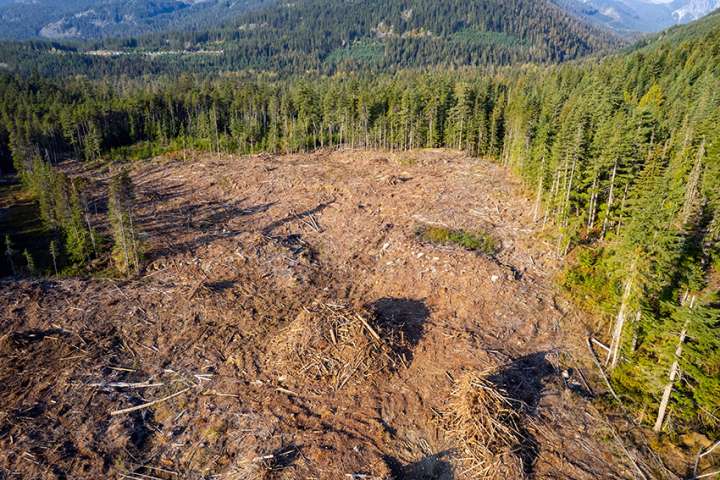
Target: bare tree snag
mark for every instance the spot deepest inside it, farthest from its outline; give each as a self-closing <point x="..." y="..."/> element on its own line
<point x="671" y="377"/>
<point x="613" y="355"/>
<point x="610" y="201"/>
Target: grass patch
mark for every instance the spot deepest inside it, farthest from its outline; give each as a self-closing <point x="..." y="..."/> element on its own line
<point x="476" y="241"/>
<point x="407" y="161"/>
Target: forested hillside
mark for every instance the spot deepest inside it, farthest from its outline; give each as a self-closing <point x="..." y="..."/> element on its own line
<point x="85" y="19"/>
<point x="326" y="36"/>
<point x="400" y="33"/>
<point x="625" y="161"/>
<point x="622" y="157"/>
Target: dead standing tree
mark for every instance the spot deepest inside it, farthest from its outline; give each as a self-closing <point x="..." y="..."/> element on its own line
<point x="615" y="344"/>
<point x="674" y="370"/>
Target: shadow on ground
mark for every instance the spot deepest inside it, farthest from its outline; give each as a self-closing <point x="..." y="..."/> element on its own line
<point x="524" y="380"/>
<point x="432" y="467"/>
<point x="405" y="316"/>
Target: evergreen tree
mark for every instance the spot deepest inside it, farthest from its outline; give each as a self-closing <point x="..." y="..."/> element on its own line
<point x="126" y="249"/>
<point x="92" y="142"/>
<point x="78" y="238"/>
<point x="29" y="262"/>
<point x="10" y="253"/>
<point x="54" y="253"/>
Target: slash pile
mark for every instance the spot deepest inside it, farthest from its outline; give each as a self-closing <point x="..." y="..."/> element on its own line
<point x="484" y="424"/>
<point x="334" y="344"/>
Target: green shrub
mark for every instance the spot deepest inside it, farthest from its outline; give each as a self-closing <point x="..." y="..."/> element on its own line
<point x="476" y="241"/>
<point x="588" y="282"/>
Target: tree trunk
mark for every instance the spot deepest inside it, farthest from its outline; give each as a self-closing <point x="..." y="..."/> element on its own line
<point x="538" y="197"/>
<point x="622" y="209"/>
<point x="692" y="186"/>
<point x="610" y="201"/>
<point x="124" y="241"/>
<point x="91" y="231"/>
<point x="671" y="377"/>
<point x="462" y="127"/>
<point x="553" y="194"/>
<point x="593" y="202"/>
<point x="566" y="206"/>
<point x="613" y="354"/>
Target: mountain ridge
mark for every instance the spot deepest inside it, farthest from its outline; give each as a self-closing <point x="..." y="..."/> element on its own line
<point x="97" y="19"/>
<point x="639" y="16"/>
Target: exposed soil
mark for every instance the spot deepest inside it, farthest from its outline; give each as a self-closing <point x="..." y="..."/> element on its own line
<point x="258" y="270"/>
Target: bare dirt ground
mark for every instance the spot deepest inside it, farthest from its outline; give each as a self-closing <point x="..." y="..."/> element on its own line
<point x="246" y="315"/>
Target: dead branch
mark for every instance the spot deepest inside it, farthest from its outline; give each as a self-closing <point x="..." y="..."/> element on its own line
<point x="702" y="454"/>
<point x="125" y="385"/>
<point x="602" y="372"/>
<point x="149" y="404"/>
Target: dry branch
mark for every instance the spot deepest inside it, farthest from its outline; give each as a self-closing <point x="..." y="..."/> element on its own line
<point x="602" y="372"/>
<point x="125" y="385"/>
<point x="700" y="455"/>
<point x="334" y="344"/>
<point x="149" y="404"/>
<point x="486" y="426"/>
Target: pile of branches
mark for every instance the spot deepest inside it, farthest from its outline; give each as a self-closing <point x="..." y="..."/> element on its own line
<point x="334" y="344"/>
<point x="485" y="424"/>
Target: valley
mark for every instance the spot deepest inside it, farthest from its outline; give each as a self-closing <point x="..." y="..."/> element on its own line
<point x="327" y="36"/>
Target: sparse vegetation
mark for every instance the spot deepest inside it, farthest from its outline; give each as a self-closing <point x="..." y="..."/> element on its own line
<point x="63" y="228"/>
<point x="20" y="217"/>
<point x="475" y="241"/>
<point x="10" y="253"/>
<point x="53" y="250"/>
<point x="585" y="279"/>
<point x="29" y="263"/>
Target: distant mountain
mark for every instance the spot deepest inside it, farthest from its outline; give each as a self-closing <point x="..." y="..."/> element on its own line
<point x="87" y="19"/>
<point x="629" y="16"/>
<point x="382" y="34"/>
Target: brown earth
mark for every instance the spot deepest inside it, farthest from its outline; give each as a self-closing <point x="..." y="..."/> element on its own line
<point x="304" y="330"/>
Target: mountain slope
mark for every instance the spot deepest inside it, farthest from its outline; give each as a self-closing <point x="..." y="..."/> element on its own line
<point x="379" y="33"/>
<point x="331" y="35"/>
<point x="84" y="19"/>
<point x="639" y="15"/>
